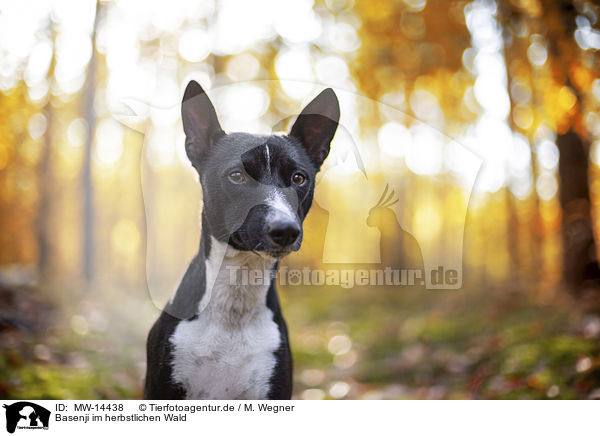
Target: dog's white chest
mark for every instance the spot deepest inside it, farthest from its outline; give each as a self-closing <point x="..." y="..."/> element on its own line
<point x="211" y="362"/>
<point x="227" y="352"/>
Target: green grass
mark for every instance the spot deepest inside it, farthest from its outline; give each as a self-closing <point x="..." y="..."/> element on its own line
<point x="347" y="343"/>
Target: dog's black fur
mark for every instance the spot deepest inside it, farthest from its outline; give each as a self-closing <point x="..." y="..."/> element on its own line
<point x="238" y="214"/>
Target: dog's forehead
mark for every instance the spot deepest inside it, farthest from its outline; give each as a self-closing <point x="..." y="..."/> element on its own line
<point x="254" y="149"/>
<point x="239" y="143"/>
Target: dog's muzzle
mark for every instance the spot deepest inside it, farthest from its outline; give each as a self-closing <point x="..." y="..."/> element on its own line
<point x="282" y="233"/>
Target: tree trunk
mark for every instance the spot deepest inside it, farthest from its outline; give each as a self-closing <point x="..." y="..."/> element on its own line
<point x="579" y="248"/>
<point x="88" y="192"/>
<point x="45" y="178"/>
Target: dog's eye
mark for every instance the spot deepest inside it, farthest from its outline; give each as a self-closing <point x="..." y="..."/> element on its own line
<point x="298" y="179"/>
<point x="236" y="177"/>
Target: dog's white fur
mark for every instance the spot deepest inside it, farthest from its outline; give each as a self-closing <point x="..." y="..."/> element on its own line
<point x="227" y="351"/>
<point x="279" y="205"/>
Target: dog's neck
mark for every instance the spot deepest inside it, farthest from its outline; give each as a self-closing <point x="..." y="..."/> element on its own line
<point x="230" y="296"/>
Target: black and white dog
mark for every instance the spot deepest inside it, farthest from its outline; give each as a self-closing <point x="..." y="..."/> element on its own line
<point x="220" y="337"/>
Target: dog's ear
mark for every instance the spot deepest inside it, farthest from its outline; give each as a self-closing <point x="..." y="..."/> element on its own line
<point x="200" y="123"/>
<point x="317" y="124"/>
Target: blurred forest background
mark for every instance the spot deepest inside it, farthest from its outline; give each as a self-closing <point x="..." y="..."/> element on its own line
<point x="99" y="207"/>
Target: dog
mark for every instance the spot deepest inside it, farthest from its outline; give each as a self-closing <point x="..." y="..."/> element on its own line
<point x="220" y="337"/>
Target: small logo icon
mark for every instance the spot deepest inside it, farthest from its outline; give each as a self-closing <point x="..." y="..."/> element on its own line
<point x="26" y="415"/>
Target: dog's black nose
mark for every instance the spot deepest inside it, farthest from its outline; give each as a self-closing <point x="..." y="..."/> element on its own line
<point x="283" y="232"/>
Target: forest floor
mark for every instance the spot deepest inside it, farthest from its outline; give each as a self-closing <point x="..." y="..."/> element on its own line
<point x="479" y="342"/>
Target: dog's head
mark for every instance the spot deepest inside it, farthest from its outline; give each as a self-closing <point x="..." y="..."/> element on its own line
<point x="257" y="189"/>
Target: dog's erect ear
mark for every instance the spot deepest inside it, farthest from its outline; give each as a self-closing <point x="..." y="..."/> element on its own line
<point x="200" y="123"/>
<point x="317" y="124"/>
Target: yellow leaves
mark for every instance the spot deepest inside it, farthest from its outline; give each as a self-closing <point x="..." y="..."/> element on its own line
<point x="531" y="7"/>
<point x="550" y="215"/>
<point x="413" y="26"/>
<point x="375" y="10"/>
<point x="581" y="77"/>
<point x="431" y="84"/>
<point x="4" y="156"/>
<point x="519" y="68"/>
<point x="560" y="105"/>
<point x="30" y="151"/>
<point x="19" y="187"/>
<point x="523" y="116"/>
<point x="401" y="40"/>
<point x="566" y="99"/>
